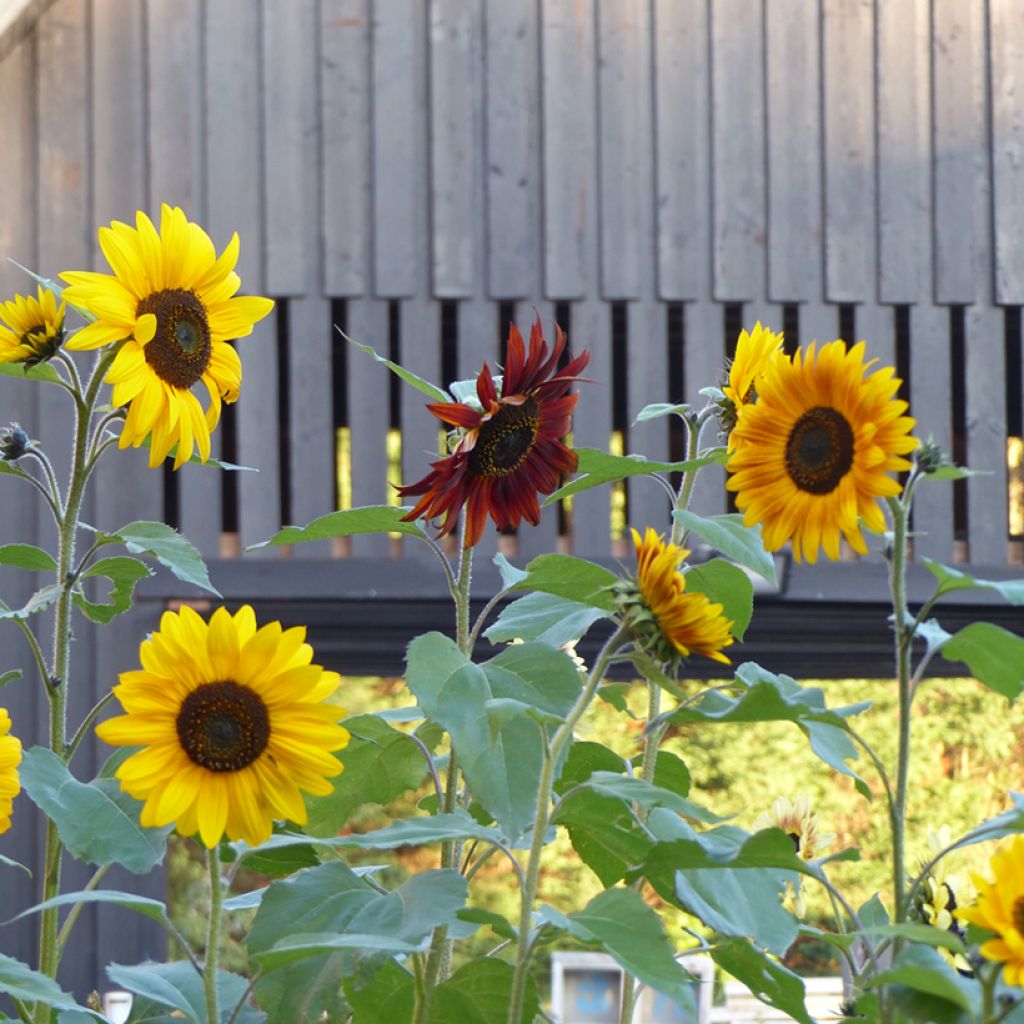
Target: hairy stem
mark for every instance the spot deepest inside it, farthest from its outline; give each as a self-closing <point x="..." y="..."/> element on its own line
<point x="213" y="936"/>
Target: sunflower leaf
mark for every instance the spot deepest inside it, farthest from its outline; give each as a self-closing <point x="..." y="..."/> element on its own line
<point x="656" y="409"/>
<point x="41" y="371"/>
<point x="172" y="550"/>
<point x="725" y="584"/>
<point x="38" y="602"/>
<point x="727" y="534"/>
<point x="27" y="556"/>
<point x="545" y="618"/>
<point x="922" y="969"/>
<point x="211" y="463"/>
<point x="346" y="523"/>
<point x="124" y="573"/>
<point x="774" y="984"/>
<point x="994" y="655"/>
<point x="436" y="393"/>
<point x="949" y="580"/>
<point x="144" y="905"/>
<point x="573" y="578"/>
<point x="597" y="467"/>
<point x="21" y="982"/>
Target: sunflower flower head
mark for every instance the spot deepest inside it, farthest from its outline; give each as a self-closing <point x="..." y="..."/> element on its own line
<point x="31" y="328"/>
<point x="666" y="620"/>
<point x="509" y="447"/>
<point x="799" y="821"/>
<point x="10" y="758"/>
<point x="233" y="723"/>
<point x="1000" y="909"/>
<point x="814" y="454"/>
<point x="754" y="352"/>
<point x="171" y="301"/>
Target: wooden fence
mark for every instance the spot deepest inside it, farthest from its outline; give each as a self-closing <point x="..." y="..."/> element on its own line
<point x="653" y="172"/>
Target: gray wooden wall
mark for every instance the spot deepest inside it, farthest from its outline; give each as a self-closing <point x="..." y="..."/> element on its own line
<point x="657" y="171"/>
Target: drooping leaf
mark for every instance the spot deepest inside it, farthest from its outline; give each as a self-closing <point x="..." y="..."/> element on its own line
<point x="11" y="863"/>
<point x="954" y="473"/>
<point x="922" y="969"/>
<point x="949" y="580"/>
<point x="994" y="655"/>
<point x="97" y="821"/>
<point x="27" y="556"/>
<point x="436" y="393"/>
<point x="773" y="984"/>
<point x="545" y="618"/>
<point x="168" y="547"/>
<point x="597" y="467"/>
<point x="631" y="790"/>
<point x="346" y="523"/>
<point x="38" y="602"/>
<point x="10" y="675"/>
<point x="41" y="371"/>
<point x="573" y="578"/>
<point x="124" y="573"/>
<point x="657" y="409"/>
<point x="724" y="584"/>
<point x="510" y="575"/>
<point x="727" y="534"/>
<point x="21" y="982"/>
<point x="153" y="909"/>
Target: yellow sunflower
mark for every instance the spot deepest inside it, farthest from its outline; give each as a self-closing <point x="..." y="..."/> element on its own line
<point x="754" y="351"/>
<point x="665" y="619"/>
<point x="172" y="300"/>
<point x="233" y="725"/>
<point x="31" y="329"/>
<point x="1000" y="909"/>
<point x="10" y="758"/>
<point x="814" y="452"/>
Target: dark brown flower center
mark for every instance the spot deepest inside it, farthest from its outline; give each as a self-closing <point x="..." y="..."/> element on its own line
<point x="797" y="840"/>
<point x="223" y="726"/>
<point x="819" y="452"/>
<point x="1018" y="914"/>
<point x="505" y="440"/>
<point x="43" y="342"/>
<point x="180" y="350"/>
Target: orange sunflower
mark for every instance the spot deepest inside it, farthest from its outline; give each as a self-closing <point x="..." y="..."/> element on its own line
<point x="171" y="300"/>
<point x="510" y="449"/>
<point x="31" y="329"/>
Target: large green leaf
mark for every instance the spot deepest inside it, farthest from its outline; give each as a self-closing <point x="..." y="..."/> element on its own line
<point x="949" y="580"/>
<point x="27" y="556"/>
<point x="573" y="578"/>
<point x="168" y="547"/>
<point x="727" y="534"/>
<point x="124" y="573"/>
<point x="724" y="584"/>
<point x="597" y="467"/>
<point x="922" y="969"/>
<point x="772" y="983"/>
<point x="38" y="602"/>
<point x="632" y="790"/>
<point x="387" y="998"/>
<point x="346" y="523"/>
<point x="97" y="822"/>
<point x="144" y="905"/>
<point x="41" y="371"/>
<point x="21" y="982"/>
<point x="503" y="767"/>
<point x="545" y="618"/>
<point x="994" y="656"/>
<point x="381" y="763"/>
<point x="436" y="393"/>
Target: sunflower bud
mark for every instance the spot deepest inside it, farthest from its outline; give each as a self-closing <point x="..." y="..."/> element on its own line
<point x="930" y="457"/>
<point x="14" y="443"/>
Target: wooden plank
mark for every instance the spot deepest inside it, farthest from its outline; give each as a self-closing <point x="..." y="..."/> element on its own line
<point x="400" y="112"/>
<point x="456" y="143"/>
<point x="681" y="91"/>
<point x="175" y="131"/>
<point x="512" y="59"/>
<point x="904" y="151"/>
<point x="818" y="322"/>
<point x="291" y="146"/>
<point x="931" y="407"/>
<point x="793" y="104"/>
<point x="569" y="145"/>
<point x="125" y="488"/>
<point x="986" y="435"/>
<point x="310" y="427"/>
<point x="876" y="325"/>
<point x="848" y="49"/>
<point x="345" y="114"/>
<point x="1006" y="39"/>
<point x="703" y="363"/>
<point x="738" y="150"/>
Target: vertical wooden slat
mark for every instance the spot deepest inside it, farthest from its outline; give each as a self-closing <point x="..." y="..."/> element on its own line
<point x="1006" y="33"/>
<point x="738" y="152"/>
<point x="795" y="228"/>
<point x="175" y="149"/>
<point x="345" y="106"/>
<point x="703" y="367"/>
<point x="234" y="139"/>
<point x="512" y="57"/>
<point x="681" y="96"/>
<point x="818" y="322"/>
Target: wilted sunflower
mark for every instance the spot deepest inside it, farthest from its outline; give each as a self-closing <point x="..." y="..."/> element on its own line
<point x="664" y="618"/>
<point x="814" y="452"/>
<point x="510" y="449"/>
<point x="10" y="758"/>
<point x="1000" y="909"/>
<point x="754" y="351"/>
<point x="31" y="329"/>
<point x="232" y="722"/>
<point x="174" y="301"/>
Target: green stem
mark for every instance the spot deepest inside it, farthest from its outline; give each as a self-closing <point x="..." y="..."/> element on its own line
<point x="689" y="478"/>
<point x="213" y="936"/>
<point x="552" y="756"/>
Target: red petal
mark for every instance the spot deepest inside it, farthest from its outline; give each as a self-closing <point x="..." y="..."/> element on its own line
<point x="456" y="413"/>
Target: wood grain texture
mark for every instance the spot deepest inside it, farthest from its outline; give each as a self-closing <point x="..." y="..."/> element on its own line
<point x="704" y="359"/>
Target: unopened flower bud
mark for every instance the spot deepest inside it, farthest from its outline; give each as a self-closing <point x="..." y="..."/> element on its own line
<point x="14" y="443"/>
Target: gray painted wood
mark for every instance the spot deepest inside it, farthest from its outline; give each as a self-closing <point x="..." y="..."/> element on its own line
<point x="847" y="41"/>
<point x="345" y="111"/>
<point x="681" y="98"/>
<point x="738" y="150"/>
<point x="817" y="321"/>
<point x="904" y="150"/>
<point x="1006" y="38"/>
<point x="291" y="141"/>
<point x="876" y="325"/>
<point x="569" y="122"/>
<point x="704" y="363"/>
<point x="513" y="166"/>
<point x="794" y="143"/>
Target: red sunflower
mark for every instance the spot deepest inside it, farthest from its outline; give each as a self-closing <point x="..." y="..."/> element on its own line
<point x="511" y="449"/>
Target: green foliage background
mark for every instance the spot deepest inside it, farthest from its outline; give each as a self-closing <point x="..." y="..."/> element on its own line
<point x="968" y="752"/>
